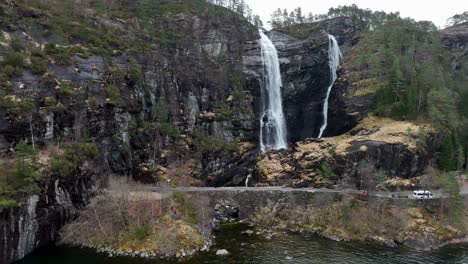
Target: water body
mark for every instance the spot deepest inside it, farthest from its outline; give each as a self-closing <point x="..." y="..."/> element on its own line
<point x="272" y="122"/>
<point x="334" y="55"/>
<point x="284" y="248"/>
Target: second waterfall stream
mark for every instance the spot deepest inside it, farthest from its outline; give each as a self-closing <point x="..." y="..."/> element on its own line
<point x="334" y="55"/>
<point x="272" y="122"/>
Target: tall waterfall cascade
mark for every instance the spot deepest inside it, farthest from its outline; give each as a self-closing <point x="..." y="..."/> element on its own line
<point x="334" y="55"/>
<point x="272" y="122"/>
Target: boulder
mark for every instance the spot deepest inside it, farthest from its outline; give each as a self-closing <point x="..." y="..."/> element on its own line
<point x="222" y="252"/>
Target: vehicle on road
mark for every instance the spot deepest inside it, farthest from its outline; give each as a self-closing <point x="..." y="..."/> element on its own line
<point x="423" y="194"/>
<point x="400" y="196"/>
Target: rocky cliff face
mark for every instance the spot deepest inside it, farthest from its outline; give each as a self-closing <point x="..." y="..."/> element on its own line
<point x="303" y="51"/>
<point x="181" y="108"/>
<point x="202" y="78"/>
<point x="455" y="38"/>
<point x="37" y="221"/>
<point x="196" y="78"/>
<point x="375" y="150"/>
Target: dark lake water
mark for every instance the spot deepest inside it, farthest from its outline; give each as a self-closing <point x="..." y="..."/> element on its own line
<point x="284" y="248"/>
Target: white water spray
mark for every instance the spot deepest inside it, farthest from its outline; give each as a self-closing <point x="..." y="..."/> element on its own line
<point x="334" y="55"/>
<point x="272" y="122"/>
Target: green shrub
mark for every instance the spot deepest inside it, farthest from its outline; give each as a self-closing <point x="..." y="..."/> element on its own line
<point x="8" y="70"/>
<point x="17" y="107"/>
<point x="72" y="157"/>
<point x="12" y="65"/>
<point x="92" y="102"/>
<point x="100" y="51"/>
<point x="7" y="203"/>
<point x="114" y="96"/>
<point x="134" y="73"/>
<point x="39" y="65"/>
<point x="186" y="206"/>
<point x="16" y="60"/>
<point x="326" y="170"/>
<point x="4" y="78"/>
<point x="239" y="94"/>
<point x="16" y="45"/>
<point x="38" y="53"/>
<point x="50" y="102"/>
<point x="116" y="75"/>
<point x="89" y="150"/>
<point x="142" y="232"/>
<point x="204" y="143"/>
<point x="62" y="165"/>
<point x="80" y="51"/>
<point x="86" y="34"/>
<point x="61" y="55"/>
<point x="169" y="130"/>
<point x="20" y="176"/>
<point x="66" y="88"/>
<point x="450" y="185"/>
<point x="448" y="153"/>
<point x="224" y="113"/>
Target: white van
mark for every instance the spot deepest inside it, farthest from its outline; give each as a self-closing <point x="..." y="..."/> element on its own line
<point x="423" y="195"/>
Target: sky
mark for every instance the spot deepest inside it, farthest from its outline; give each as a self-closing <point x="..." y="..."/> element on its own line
<point x="437" y="11"/>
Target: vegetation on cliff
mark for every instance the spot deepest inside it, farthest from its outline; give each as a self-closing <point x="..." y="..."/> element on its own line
<point x="154" y="224"/>
<point x="353" y="159"/>
<point x="407" y="67"/>
<point x="18" y="174"/>
<point x="87" y="60"/>
<point x="421" y="225"/>
<point x="27" y="170"/>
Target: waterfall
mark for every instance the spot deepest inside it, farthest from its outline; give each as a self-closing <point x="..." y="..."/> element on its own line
<point x="247" y="180"/>
<point x="334" y="55"/>
<point x="272" y="122"/>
